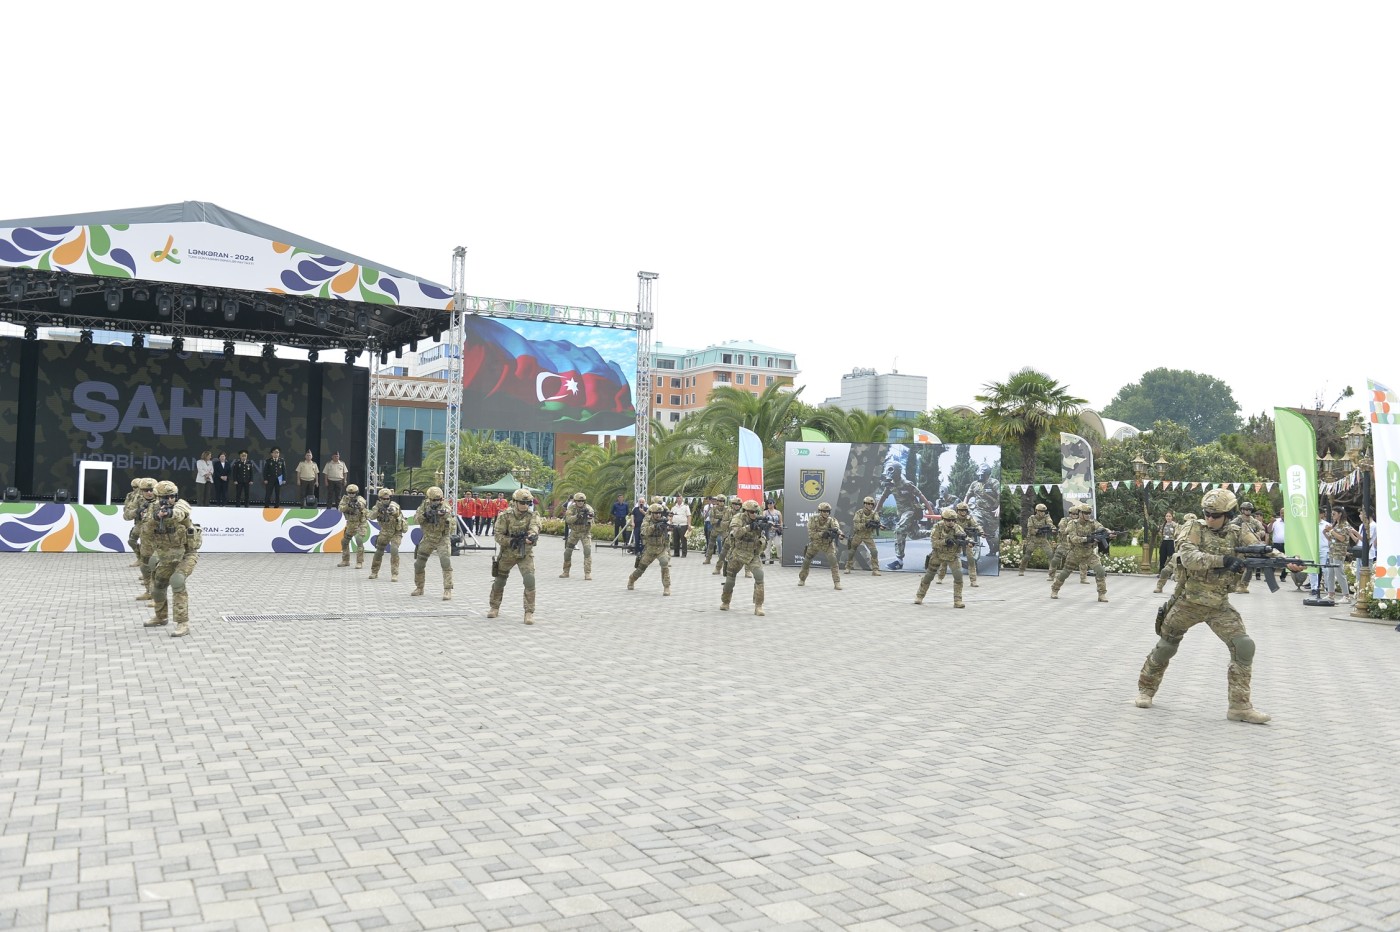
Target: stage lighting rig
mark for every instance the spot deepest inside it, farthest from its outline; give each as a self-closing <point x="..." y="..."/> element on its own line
<point x="177" y="344"/>
<point x="113" y="294"/>
<point x="230" y="309"/>
<point x="228" y="349"/>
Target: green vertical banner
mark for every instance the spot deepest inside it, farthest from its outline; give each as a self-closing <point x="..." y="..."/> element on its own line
<point x="1297" y="470"/>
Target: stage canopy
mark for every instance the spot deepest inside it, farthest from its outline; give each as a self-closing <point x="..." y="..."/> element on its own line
<point x="507" y="483"/>
<point x="197" y="270"/>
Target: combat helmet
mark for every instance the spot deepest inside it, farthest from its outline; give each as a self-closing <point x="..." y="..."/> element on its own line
<point x="434" y="493"/>
<point x="1040" y="507"/>
<point x="735" y="500"/>
<point x="386" y="494"/>
<point x="165" y="488"/>
<point x="870" y="500"/>
<point x="521" y="497"/>
<point x="824" y="507"/>
<point x="656" y="508"/>
<point x="949" y="514"/>
<point x="352" y="489"/>
<point x="750" y="506"/>
<point x="962" y="506"/>
<point x="1219" y="501"/>
<point x="580" y="497"/>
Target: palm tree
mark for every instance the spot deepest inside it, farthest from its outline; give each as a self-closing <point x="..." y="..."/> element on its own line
<point x="1021" y="410"/>
<point x="775" y="416"/>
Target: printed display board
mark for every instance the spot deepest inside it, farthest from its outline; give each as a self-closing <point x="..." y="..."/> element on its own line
<point x="911" y="484"/>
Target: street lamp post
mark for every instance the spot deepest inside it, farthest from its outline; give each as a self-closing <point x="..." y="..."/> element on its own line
<point x="1356" y="452"/>
<point x="1143" y="471"/>
<point x="1327" y="473"/>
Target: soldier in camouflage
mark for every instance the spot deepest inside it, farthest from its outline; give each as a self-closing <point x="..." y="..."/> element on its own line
<point x="1173" y="566"/>
<point x="973" y="532"/>
<point x="1248" y="522"/>
<point x="723" y="520"/>
<point x="517" y="531"/>
<point x="392" y="526"/>
<point x="1062" y="546"/>
<point x="130" y="512"/>
<point x="170" y="530"/>
<point x="578" y="529"/>
<point x="742" y="547"/>
<point x="1040" y="530"/>
<point x="823" y="531"/>
<point x="946" y="542"/>
<point x="145" y="507"/>
<point x="1206" y="549"/>
<point x="865" y="524"/>
<point x="656" y="531"/>
<point x="1083" y="550"/>
<point x="911" y="504"/>
<point x="355" y="510"/>
<point x="437" y="522"/>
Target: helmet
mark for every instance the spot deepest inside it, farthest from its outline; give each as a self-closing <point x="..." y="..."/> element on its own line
<point x="386" y="494"/>
<point x="1246" y="505"/>
<point x="750" y="506"/>
<point x="580" y="497"/>
<point x="166" y="487"/>
<point x="1189" y="517"/>
<point x="1219" y="501"/>
<point x="656" y="508"/>
<point x="869" y="500"/>
<point x="962" y="506"/>
<point x="434" y="493"/>
<point x="734" y="500"/>
<point x="147" y="485"/>
<point x="823" y="507"/>
<point x="135" y="483"/>
<point x="520" y="495"/>
<point x="352" y="489"/>
<point x="949" y="514"/>
<point x="1040" y="506"/>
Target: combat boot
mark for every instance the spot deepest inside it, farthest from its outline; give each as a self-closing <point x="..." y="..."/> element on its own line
<point x="958" y="603"/>
<point x="181" y="629"/>
<point x="418" y="591"/>
<point x="758" y="610"/>
<point x="1143" y="700"/>
<point x="1054" y="592"/>
<point x="529" y="618"/>
<point x="802" y="580"/>
<point x="344" y="560"/>
<point x="875" y="571"/>
<point x="918" y="600"/>
<point x="631" y="582"/>
<point x="447" y="595"/>
<point x="974" y="582"/>
<point x="565" y="574"/>
<point x="1022" y="573"/>
<point x="495" y="610"/>
<point x="587" y="576"/>
<point x="394" y="576"/>
<point x="1084" y="580"/>
<point x="666" y="589"/>
<point x="1247" y="714"/>
<point x="1159" y="587"/>
<point x="162" y="616"/>
<point x="707" y="562"/>
<point x="360" y="560"/>
<point x="1242" y="590"/>
<point x="748" y="573"/>
<point x="724" y="606"/>
<point x="1103" y="596"/>
<point x="374" y="574"/>
<point x="144" y="597"/>
<point x="838" y="585"/>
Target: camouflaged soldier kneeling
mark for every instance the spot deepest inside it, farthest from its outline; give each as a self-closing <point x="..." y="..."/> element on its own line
<point x="171" y="533"/>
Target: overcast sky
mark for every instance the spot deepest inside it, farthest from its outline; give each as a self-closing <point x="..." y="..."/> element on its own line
<point x="956" y="190"/>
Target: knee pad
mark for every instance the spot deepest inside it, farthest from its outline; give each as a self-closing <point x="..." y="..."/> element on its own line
<point x="1242" y="650"/>
<point x="177" y="582"/>
<point x="1165" y="650"/>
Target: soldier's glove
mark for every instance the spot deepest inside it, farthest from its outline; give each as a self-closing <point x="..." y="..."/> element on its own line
<point x="532" y="539"/>
<point x="1233" y="564"/>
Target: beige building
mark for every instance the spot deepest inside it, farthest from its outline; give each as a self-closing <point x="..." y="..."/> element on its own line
<point x="683" y="379"/>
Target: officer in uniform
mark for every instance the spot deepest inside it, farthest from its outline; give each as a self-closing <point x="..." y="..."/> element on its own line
<point x="865" y="524"/>
<point x="356" y="512"/>
<point x="743" y="544"/>
<point x="437" y="522"/>
<point x="392" y="526"/>
<point x="170" y="529"/>
<point x="517" y="532"/>
<point x="130" y="512"/>
<point x="727" y="513"/>
<point x="973" y="532"/>
<point x="823" y="531"/>
<point x="1206" y="551"/>
<point x="1083" y="550"/>
<point x="1040" y="529"/>
<point x="145" y="507"/>
<point x="578" y="529"/>
<point x="1253" y="525"/>
<point x="946" y="542"/>
<point x="656" y="530"/>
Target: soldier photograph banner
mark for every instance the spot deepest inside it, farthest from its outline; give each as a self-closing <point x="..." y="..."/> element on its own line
<point x="1296" y="443"/>
<point x="1385" y="441"/>
<point x="1077" y="470"/>
<point x="911" y="484"/>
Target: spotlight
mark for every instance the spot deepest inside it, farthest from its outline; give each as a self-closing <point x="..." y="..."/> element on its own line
<point x="31" y="332"/>
<point x="289" y="313"/>
<point x="187" y="301"/>
<point x="177" y="344"/>
<point x="323" y="316"/>
<point x="230" y="309"/>
<point x="350" y="356"/>
<point x="398" y="352"/>
<point x="114" y="299"/>
<point x="85" y="336"/>
<point x="259" y="306"/>
<point x="361" y="320"/>
<point x="164" y="303"/>
<point x="138" y="340"/>
<point x="66" y="293"/>
<point x="268" y="351"/>
<point x="312" y="355"/>
<point x="210" y="303"/>
<point x="228" y="349"/>
<point x="141" y="294"/>
<point x="17" y="286"/>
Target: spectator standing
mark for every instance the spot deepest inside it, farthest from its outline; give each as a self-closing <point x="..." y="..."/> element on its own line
<point x="680" y="527"/>
<point x="242" y="475"/>
<point x="639" y="514"/>
<point x="774" y="529"/>
<point x="619" y="519"/>
<point x="308" y="478"/>
<point x="1276" y="537"/>
<point x="204" y="477"/>
<point x="1168" y="537"/>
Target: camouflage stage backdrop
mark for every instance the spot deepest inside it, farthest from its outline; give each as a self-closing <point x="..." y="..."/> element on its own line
<point x="910" y="482"/>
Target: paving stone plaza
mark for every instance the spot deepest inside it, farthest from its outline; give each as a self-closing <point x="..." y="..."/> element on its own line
<point x="325" y="752"/>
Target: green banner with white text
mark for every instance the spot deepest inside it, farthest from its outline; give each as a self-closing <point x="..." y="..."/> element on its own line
<point x="1297" y="470"/>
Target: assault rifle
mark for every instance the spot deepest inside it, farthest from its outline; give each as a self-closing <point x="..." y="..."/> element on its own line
<point x="1101" y="537"/>
<point x="1047" y="531"/>
<point x="432" y="514"/>
<point x="518" y="542"/>
<point x="833" y="534"/>
<point x="873" y="524"/>
<point x="1261" y="557"/>
<point x="764" y="523"/>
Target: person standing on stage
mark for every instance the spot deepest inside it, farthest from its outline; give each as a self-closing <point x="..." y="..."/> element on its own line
<point x="242" y="475"/>
<point x="308" y="479"/>
<point x="336" y="474"/>
<point x="204" y="476"/>
<point x="221" y="474"/>
<point x="274" y="475"/>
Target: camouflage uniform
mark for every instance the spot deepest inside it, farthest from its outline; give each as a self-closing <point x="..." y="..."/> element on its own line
<point x="911" y="503"/>
<point x="1083" y="551"/>
<point x="722" y="523"/>
<point x="130" y="512"/>
<point x="1037" y="539"/>
<point x="392" y="526"/>
<point x="356" y="512"/>
<point x="943" y="555"/>
<point x="656" y="531"/>
<point x="743" y="545"/>
<point x="437" y="521"/>
<point x="170" y="530"/>
<point x="1246" y="521"/>
<point x="519" y="523"/>
<point x="865" y="524"/>
<point x="578" y="529"/>
<point x="823" y="531"/>
<point x="1203" y="553"/>
<point x="145" y="508"/>
<point x="1339" y="542"/>
<point x="973" y="532"/>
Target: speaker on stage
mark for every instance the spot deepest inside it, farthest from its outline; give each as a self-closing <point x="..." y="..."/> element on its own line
<point x="60" y="497"/>
<point x="309" y="502"/>
<point x="413" y="449"/>
<point x="388" y="452"/>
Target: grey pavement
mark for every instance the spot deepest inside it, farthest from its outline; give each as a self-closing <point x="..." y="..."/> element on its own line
<point x="325" y="752"/>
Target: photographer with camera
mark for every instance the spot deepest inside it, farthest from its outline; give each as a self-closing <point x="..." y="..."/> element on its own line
<point x="356" y="513"/>
<point x="823" y="533"/>
<point x="517" y="532"/>
<point x="656" y="530"/>
<point x="437" y="523"/>
<point x="578" y="529"/>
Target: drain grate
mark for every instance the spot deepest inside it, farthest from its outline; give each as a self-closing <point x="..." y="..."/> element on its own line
<point x="344" y="616"/>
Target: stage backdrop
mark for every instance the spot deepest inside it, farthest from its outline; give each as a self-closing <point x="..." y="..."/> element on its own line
<point x="535" y="375"/>
<point x="43" y="527"/>
<point x="9" y="409"/>
<point x="911" y="483"/>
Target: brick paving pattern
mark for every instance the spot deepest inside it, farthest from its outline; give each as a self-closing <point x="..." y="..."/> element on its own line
<point x="324" y="752"/>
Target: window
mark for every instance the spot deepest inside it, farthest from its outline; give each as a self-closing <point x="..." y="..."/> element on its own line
<point x="727" y="359"/>
<point x="665" y="364"/>
<point x="675" y="383"/>
<point x="675" y="416"/>
<point x="675" y="400"/>
<point x="768" y="362"/>
<point x="770" y="380"/>
<point x="722" y="377"/>
<point x="658" y="399"/>
<point x="784" y="363"/>
<point x="753" y="361"/>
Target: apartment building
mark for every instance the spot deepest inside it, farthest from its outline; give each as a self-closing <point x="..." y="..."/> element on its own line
<point x="682" y="379"/>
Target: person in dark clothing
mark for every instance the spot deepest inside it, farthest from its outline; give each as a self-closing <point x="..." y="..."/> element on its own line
<point x="619" y="519"/>
<point x="221" y="474"/>
<point x="241" y="472"/>
<point x="639" y="514"/>
<point x="274" y="474"/>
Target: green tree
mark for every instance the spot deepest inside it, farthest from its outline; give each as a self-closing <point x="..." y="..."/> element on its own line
<point x="1027" y="406"/>
<point x="480" y="460"/>
<point x="1203" y="404"/>
<point x="842" y="426"/>
<point x="952" y="425"/>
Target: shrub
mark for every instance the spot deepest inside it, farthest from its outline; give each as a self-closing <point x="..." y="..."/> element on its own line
<point x="1389" y="609"/>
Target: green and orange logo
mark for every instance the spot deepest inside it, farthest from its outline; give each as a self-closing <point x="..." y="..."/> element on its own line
<point x="168" y="254"/>
<point x="1392" y="487"/>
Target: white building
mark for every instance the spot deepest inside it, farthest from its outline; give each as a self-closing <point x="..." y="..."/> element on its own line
<point x="866" y="390"/>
